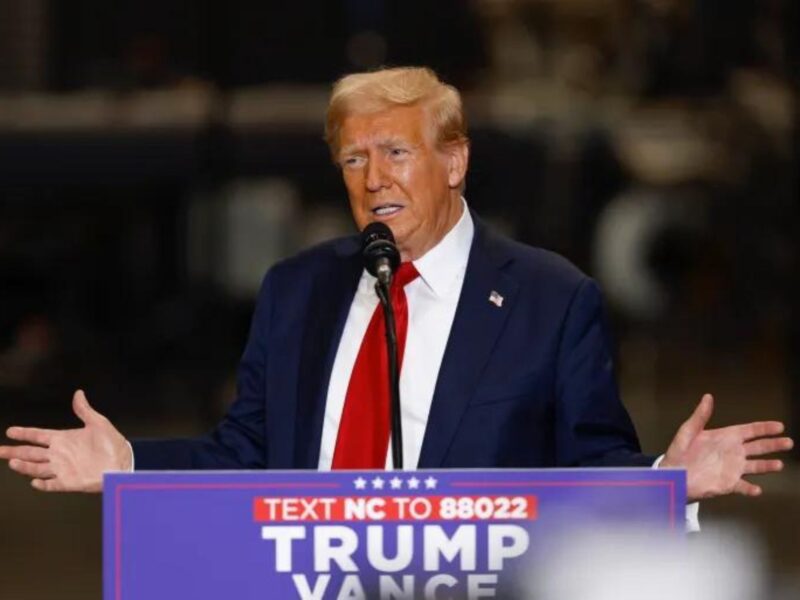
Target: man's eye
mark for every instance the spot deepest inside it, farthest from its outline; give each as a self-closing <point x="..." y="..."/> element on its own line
<point x="353" y="161"/>
<point x="398" y="151"/>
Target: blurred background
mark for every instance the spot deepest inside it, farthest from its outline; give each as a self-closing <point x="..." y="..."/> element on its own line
<point x="157" y="157"/>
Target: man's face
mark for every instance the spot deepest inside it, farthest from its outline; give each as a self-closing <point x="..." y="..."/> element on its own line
<point x="395" y="173"/>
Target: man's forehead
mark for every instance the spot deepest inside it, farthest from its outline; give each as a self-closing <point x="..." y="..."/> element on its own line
<point x="401" y="122"/>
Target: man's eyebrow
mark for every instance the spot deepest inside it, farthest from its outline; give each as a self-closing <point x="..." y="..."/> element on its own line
<point x="395" y="141"/>
<point x="348" y="149"/>
<point x="384" y="143"/>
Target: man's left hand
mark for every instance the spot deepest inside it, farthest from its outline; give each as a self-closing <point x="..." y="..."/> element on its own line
<point x="717" y="459"/>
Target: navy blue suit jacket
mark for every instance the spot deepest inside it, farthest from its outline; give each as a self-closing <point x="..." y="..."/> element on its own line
<point x="528" y="384"/>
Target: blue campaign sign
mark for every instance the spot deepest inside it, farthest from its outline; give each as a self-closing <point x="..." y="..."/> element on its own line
<point x="358" y="534"/>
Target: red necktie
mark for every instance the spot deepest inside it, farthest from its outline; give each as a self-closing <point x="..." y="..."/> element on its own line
<point x="363" y="438"/>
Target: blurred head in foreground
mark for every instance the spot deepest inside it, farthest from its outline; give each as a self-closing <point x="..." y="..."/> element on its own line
<point x="635" y="564"/>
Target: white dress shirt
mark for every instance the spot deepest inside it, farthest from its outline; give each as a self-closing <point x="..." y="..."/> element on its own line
<point x="432" y="298"/>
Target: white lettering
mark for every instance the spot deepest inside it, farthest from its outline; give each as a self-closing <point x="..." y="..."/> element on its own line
<point x="499" y="551"/>
<point x="334" y="543"/>
<point x="309" y="509"/>
<point x="305" y="591"/>
<point x="328" y="503"/>
<point x="351" y="589"/>
<point x="364" y="508"/>
<point x="420" y="508"/>
<point x="477" y="586"/>
<point x="271" y="505"/>
<point x="401" y="504"/>
<point x="290" y="509"/>
<point x="375" y="549"/>
<point x="437" y="543"/>
<point x="283" y="536"/>
<point x="390" y="590"/>
<point x="436" y="582"/>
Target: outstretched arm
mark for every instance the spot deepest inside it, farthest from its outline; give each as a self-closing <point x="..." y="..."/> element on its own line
<point x="69" y="460"/>
<point x="716" y="460"/>
<point x="75" y="459"/>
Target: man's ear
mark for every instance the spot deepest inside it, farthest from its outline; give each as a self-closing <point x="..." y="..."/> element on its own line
<point x="457" y="162"/>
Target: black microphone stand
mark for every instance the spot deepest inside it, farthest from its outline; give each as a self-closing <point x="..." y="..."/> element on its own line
<point x="382" y="289"/>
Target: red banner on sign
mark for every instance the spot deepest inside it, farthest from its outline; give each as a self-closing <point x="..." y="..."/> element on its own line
<point x="399" y="508"/>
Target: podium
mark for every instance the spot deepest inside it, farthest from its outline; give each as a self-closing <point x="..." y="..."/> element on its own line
<point x="359" y="534"/>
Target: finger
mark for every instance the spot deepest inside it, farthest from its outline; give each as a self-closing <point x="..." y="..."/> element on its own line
<point x="692" y="427"/>
<point x="82" y="408"/>
<point x="745" y="488"/>
<point x="33" y="435"/>
<point x="749" y="431"/>
<point x="768" y="446"/>
<point x="29" y="453"/>
<point x="757" y="467"/>
<point x="47" y="485"/>
<point x="31" y="469"/>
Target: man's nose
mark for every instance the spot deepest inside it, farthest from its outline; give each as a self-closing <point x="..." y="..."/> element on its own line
<point x="377" y="175"/>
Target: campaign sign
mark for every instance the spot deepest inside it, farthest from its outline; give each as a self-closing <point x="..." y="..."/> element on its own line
<point x="358" y="534"/>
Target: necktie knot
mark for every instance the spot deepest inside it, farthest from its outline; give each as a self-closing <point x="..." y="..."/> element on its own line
<point x="405" y="274"/>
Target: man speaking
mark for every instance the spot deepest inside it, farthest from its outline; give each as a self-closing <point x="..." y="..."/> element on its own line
<point x="504" y="348"/>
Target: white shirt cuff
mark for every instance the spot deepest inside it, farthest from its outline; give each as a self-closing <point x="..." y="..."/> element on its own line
<point x="692" y="509"/>
<point x="133" y="457"/>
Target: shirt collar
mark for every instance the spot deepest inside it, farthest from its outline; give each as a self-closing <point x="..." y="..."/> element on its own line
<point x="444" y="264"/>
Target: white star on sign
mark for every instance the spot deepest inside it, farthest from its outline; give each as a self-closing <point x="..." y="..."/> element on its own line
<point x="430" y="483"/>
<point x="377" y="483"/>
<point x="413" y="483"/>
<point x="396" y="483"/>
<point x="360" y="483"/>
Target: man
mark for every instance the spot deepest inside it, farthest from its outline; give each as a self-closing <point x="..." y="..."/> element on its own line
<point x="506" y="360"/>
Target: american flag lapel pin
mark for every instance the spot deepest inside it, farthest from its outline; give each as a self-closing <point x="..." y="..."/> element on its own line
<point x="496" y="299"/>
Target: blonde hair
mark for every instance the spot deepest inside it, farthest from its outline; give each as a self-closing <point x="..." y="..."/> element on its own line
<point x="365" y="93"/>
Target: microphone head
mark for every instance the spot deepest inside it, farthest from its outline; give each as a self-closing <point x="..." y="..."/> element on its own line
<point x="377" y="248"/>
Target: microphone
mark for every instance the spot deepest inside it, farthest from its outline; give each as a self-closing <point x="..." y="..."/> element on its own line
<point x="381" y="257"/>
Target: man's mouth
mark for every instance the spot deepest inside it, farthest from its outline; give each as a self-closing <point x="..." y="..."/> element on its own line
<point x="386" y="210"/>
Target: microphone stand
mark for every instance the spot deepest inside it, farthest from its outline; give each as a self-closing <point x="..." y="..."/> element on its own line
<point x="382" y="289"/>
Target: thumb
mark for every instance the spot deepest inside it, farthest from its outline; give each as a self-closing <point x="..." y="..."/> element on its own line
<point x="82" y="408"/>
<point x="692" y="427"/>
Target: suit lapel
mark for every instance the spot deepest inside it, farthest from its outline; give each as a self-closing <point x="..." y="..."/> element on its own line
<point x="476" y="327"/>
<point x="331" y="297"/>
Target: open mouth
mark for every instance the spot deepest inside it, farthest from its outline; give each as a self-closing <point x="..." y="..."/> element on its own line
<point x="387" y="210"/>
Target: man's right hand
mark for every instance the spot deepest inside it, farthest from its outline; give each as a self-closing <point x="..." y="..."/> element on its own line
<point x="70" y="460"/>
